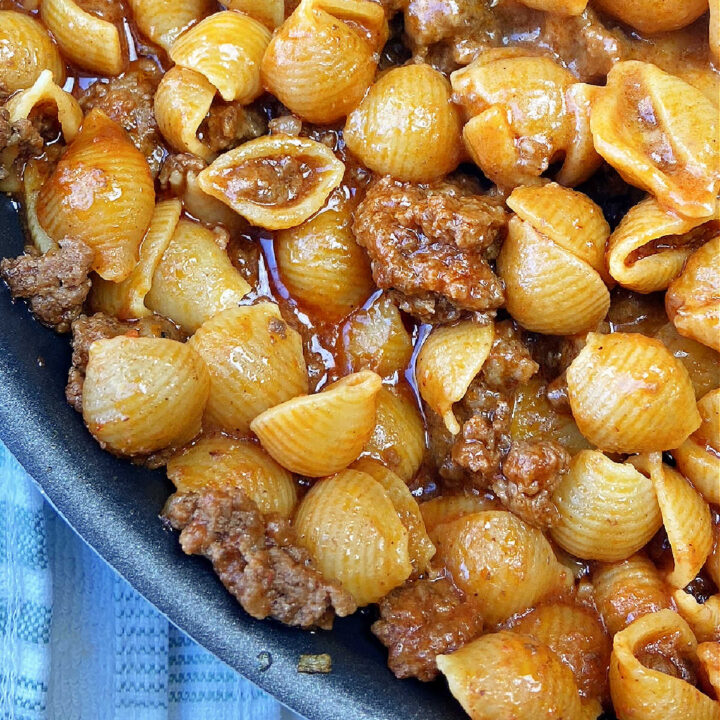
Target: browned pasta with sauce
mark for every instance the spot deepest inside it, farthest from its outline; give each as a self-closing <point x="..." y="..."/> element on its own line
<point x="414" y="304"/>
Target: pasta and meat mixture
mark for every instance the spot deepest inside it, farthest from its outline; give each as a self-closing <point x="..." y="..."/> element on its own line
<point x="416" y="302"/>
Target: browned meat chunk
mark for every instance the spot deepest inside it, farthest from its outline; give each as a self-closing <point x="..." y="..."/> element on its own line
<point x="530" y="473"/>
<point x="666" y="656"/>
<point x="422" y="619"/>
<point x="257" y="558"/>
<point x="473" y="457"/>
<point x="56" y="283"/>
<point x="128" y="100"/>
<point x="22" y="135"/>
<point x="228" y="125"/>
<point x="431" y="245"/>
<point x="431" y="21"/>
<point x="174" y="171"/>
<point x="87" y="329"/>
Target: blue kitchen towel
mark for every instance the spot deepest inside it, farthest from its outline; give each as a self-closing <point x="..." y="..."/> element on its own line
<point x="77" y="642"/>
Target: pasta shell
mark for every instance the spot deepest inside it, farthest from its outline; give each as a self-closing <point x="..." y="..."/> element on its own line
<point x="255" y="362"/>
<point x="581" y="158"/>
<point x="163" y="22"/>
<point x="45" y="91"/>
<point x="219" y="461"/>
<point x="276" y="181"/>
<point x="85" y="40"/>
<point x="336" y="423"/>
<point x="27" y="51"/>
<point x="34" y="176"/>
<point x="703" y="618"/>
<point x="693" y="299"/>
<point x="715" y="29"/>
<point x="510" y="100"/>
<point x="698" y="458"/>
<point x="505" y="564"/>
<point x="629" y="394"/>
<point x="194" y="279"/>
<point x="226" y="48"/>
<point x="478" y="675"/>
<point x="650" y="246"/>
<point x="577" y="637"/>
<point x="685" y="516"/>
<point x="641" y="692"/>
<point x="398" y="438"/>
<point x="102" y="193"/>
<point x="322" y="266"/>
<point x="447" y="508"/>
<point x="319" y="66"/>
<point x="353" y="533"/>
<point x="376" y="339"/>
<point x="624" y="591"/>
<point x="182" y="101"/>
<point x="126" y="299"/>
<point x="608" y="510"/>
<point x="650" y="18"/>
<point x="569" y="218"/>
<point x="420" y="547"/>
<point x="442" y="383"/>
<point x="541" y="296"/>
<point x="666" y="156"/>
<point x="406" y="126"/>
<point x="132" y="417"/>
<point x="270" y="13"/>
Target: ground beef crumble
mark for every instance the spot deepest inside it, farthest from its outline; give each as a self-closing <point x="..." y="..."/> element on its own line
<point x="474" y="456"/>
<point x="86" y="329"/>
<point x="56" y="283"/>
<point x="22" y="135"/>
<point x="229" y="124"/>
<point x="530" y="473"/>
<point x="422" y="619"/>
<point x="257" y="558"/>
<point x="430" y="245"/>
<point x="128" y="100"/>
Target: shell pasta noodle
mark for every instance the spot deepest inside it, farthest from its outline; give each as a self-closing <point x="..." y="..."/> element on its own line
<point x="298" y="175"/>
<point x="219" y="460"/>
<point x="136" y="419"/>
<point x="637" y="689"/>
<point x="164" y="22"/>
<point x="352" y="529"/>
<point x="28" y="50"/>
<point x="85" y="39"/>
<point x="226" y="48"/>
<point x="255" y="362"/>
<point x="336" y="422"/>
<point x="408" y="305"/>
<point x="113" y="214"/>
<point x="193" y="279"/>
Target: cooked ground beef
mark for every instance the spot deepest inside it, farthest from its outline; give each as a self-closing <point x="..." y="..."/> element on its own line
<point x="422" y="619"/>
<point x="89" y="328"/>
<point x="285" y="125"/>
<point x="665" y="656"/>
<point x="257" y="558"/>
<point x="174" y="171"/>
<point x="530" y="473"/>
<point x="473" y="458"/>
<point x="128" y="100"/>
<point x="21" y="134"/>
<point x="56" y="283"/>
<point x="229" y="124"/>
<point x="430" y="245"/>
